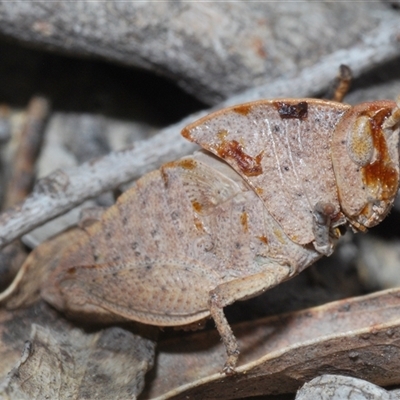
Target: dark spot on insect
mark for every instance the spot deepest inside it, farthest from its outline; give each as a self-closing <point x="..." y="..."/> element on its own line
<point x="197" y="206"/>
<point x="148" y="267"/>
<point x="71" y="270"/>
<point x="380" y="175"/>
<point x="286" y="168"/>
<point x="292" y="111"/>
<point x="244" y="221"/>
<point x="174" y="215"/>
<point x="114" y="274"/>
<point x="277" y="128"/>
<point x="238" y="245"/>
<point x="263" y="239"/>
<point x="343" y="142"/>
<point x="243" y="109"/>
<point x="164" y="177"/>
<point x="233" y="150"/>
<point x="95" y="257"/>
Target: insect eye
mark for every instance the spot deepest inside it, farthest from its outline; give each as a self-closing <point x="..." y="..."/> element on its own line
<point x="360" y="146"/>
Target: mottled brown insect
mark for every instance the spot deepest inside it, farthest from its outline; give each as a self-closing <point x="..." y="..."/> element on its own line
<point x="261" y="202"/>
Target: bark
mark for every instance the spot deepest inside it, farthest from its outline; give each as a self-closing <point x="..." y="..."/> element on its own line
<point x="212" y="50"/>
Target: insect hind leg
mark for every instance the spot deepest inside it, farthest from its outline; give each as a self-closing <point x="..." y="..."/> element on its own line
<point x="240" y="289"/>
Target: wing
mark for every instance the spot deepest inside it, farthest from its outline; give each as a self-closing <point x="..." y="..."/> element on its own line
<point x="150" y="250"/>
<point x="282" y="149"/>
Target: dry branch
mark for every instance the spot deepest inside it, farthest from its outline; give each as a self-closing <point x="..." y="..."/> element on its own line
<point x="62" y="190"/>
<point x="21" y="180"/>
<point x="211" y="49"/>
<point x="22" y="175"/>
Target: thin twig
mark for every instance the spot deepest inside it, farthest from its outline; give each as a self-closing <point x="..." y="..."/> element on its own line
<point x="21" y="179"/>
<point x="22" y="176"/>
<point x="62" y="190"/>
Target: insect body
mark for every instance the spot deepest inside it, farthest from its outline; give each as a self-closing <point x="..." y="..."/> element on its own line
<point x="262" y="201"/>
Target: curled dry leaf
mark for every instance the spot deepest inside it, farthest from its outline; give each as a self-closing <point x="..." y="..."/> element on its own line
<point x="59" y="361"/>
<point x="358" y="337"/>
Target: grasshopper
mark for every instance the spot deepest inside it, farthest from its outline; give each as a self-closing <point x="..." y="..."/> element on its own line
<point x="265" y="197"/>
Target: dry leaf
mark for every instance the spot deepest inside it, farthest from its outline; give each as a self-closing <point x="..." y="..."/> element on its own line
<point x="337" y="387"/>
<point x="359" y="337"/>
<point x="59" y="361"/>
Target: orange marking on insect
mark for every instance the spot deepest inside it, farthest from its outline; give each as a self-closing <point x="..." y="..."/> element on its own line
<point x="279" y="235"/>
<point x="198" y="224"/>
<point x="164" y="175"/>
<point x="243" y="109"/>
<point x="222" y="134"/>
<point x="197" y="206"/>
<point x="187" y="163"/>
<point x="380" y="175"/>
<point x="186" y="133"/>
<point x="263" y="239"/>
<point x="244" y="221"/>
<point x="250" y="166"/>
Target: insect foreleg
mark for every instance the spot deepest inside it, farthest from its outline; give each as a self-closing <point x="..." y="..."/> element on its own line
<point x="240" y="289"/>
<point x="323" y="213"/>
